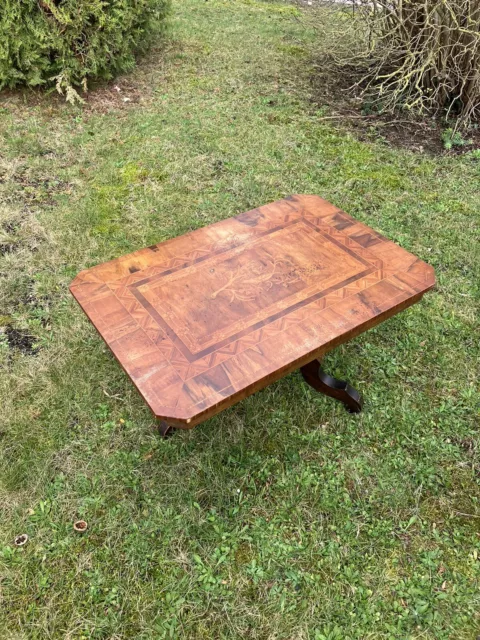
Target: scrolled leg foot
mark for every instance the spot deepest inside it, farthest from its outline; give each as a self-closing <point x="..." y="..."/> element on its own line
<point x="164" y="429"/>
<point x="316" y="377"/>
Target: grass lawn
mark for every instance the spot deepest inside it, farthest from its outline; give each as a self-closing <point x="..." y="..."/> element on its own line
<point x="285" y="517"/>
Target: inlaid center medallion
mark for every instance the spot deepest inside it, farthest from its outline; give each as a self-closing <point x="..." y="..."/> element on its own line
<point x="230" y="292"/>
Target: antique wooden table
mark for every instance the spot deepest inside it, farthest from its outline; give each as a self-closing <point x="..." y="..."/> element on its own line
<point x="204" y="320"/>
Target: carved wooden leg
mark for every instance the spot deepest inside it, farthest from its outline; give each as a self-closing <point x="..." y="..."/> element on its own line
<point x="164" y="429"/>
<point x="316" y="377"/>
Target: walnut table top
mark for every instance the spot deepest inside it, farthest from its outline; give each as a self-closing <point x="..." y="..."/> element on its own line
<point x="203" y="320"/>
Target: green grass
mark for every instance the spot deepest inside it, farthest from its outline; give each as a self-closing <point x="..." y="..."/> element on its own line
<point x="284" y="517"/>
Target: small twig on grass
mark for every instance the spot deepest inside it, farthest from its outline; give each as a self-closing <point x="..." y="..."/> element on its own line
<point x="374" y="115"/>
<point x="349" y="117"/>
<point x="114" y="395"/>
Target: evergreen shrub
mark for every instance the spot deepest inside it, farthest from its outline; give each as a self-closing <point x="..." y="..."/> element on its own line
<point x="65" y="42"/>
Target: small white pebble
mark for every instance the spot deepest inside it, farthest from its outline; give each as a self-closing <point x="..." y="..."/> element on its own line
<point x="21" y="540"/>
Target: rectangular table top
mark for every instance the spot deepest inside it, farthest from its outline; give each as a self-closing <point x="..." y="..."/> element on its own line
<point x="201" y="321"/>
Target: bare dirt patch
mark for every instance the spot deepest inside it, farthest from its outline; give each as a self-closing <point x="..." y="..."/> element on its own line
<point x="103" y="96"/>
<point x="404" y="130"/>
<point x="342" y="91"/>
<point x="20" y="341"/>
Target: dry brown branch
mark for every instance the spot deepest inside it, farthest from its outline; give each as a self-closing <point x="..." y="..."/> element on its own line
<point x="422" y="55"/>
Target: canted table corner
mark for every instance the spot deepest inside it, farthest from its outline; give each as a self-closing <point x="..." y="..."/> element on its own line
<point x="201" y="321"/>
